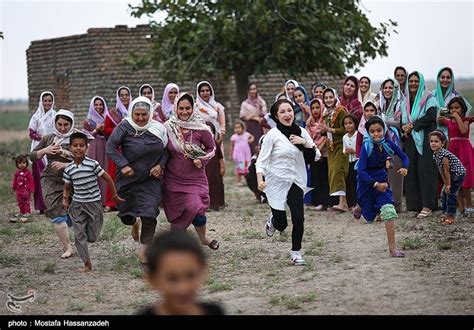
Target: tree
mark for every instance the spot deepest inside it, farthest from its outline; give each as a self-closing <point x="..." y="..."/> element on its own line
<point x="245" y="37"/>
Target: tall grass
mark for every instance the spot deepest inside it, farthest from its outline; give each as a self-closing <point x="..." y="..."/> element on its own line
<point x="7" y="166"/>
<point x="14" y="120"/>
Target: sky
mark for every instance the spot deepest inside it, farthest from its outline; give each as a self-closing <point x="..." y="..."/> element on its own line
<point x="431" y="34"/>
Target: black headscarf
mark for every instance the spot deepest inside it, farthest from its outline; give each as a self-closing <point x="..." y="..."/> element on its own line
<point x="308" y="153"/>
<point x="294" y="129"/>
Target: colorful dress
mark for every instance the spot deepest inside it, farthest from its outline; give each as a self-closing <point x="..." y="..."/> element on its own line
<point x="461" y="147"/>
<point x="241" y="154"/>
<point x="371" y="168"/>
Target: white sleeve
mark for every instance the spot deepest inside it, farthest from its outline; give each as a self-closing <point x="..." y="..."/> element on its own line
<point x="265" y="152"/>
<point x="345" y="143"/>
<point x="309" y="141"/>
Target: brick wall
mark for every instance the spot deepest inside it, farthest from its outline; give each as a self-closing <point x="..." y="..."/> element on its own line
<point x="75" y="68"/>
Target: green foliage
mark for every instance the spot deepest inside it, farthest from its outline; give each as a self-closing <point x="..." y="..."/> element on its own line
<point x="244" y="37"/>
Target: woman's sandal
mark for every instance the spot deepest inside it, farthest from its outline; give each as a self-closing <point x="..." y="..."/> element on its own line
<point x="397" y="254"/>
<point x="423" y="214"/>
<point x="447" y="221"/>
<point x="214" y="245"/>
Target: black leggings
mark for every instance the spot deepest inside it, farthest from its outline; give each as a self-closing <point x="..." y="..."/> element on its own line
<point x="295" y="203"/>
<point x="148" y="227"/>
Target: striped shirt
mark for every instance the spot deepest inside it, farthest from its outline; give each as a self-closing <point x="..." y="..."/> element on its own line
<point x="84" y="180"/>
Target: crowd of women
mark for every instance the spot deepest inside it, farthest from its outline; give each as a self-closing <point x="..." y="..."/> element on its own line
<point x="307" y="150"/>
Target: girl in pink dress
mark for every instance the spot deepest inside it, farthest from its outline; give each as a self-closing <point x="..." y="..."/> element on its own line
<point x="460" y="146"/>
<point x="240" y="150"/>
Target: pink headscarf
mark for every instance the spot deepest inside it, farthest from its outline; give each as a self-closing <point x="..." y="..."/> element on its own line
<point x="352" y="103"/>
<point x="166" y="105"/>
<point x="313" y="124"/>
<point x="256" y="102"/>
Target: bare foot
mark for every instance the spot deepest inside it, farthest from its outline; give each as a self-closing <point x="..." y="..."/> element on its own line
<point x="67" y="254"/>
<point x="136" y="229"/>
<point x="87" y="267"/>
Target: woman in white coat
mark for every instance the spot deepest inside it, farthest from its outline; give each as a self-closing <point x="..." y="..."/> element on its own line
<point x="282" y="161"/>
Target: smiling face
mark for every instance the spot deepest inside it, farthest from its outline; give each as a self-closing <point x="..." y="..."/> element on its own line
<point x="172" y="94"/>
<point x="413" y="84"/>
<point x="387" y="89"/>
<point x="47" y="102"/>
<point x="329" y="99"/>
<point x="78" y="148"/>
<point x="290" y="89"/>
<point x="205" y="92"/>
<point x="285" y="114"/>
<point x="63" y="125"/>
<point x="148" y="93"/>
<point x="376" y="132"/>
<point x="435" y="143"/>
<point x="253" y="91"/>
<point x="184" y="110"/>
<point x="318" y="92"/>
<point x="179" y="278"/>
<point x="299" y="96"/>
<point x="364" y="85"/>
<point x="140" y="116"/>
<point x="349" y="88"/>
<point x="99" y="106"/>
<point x="124" y="96"/>
<point x="400" y="76"/>
<point x="445" y="78"/>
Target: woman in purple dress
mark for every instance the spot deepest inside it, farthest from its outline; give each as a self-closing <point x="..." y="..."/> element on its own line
<point x="185" y="188"/>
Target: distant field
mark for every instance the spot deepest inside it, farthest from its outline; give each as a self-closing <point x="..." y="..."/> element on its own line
<point x="14" y="120"/>
<point x="469" y="95"/>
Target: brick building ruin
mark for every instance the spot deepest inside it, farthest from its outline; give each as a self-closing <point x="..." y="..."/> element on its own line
<point x="75" y="68"/>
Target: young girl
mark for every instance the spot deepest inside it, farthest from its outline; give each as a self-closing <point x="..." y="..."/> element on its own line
<point x="319" y="169"/>
<point x="349" y="148"/>
<point x="373" y="192"/>
<point x="460" y="146"/>
<point x="177" y="268"/>
<point x="23" y="185"/>
<point x="240" y="150"/>
<point x="338" y="162"/>
<point x="301" y="105"/>
<point x="452" y="172"/>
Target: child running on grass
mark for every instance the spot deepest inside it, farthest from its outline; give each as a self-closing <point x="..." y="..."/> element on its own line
<point x="85" y="209"/>
<point x="373" y="192"/>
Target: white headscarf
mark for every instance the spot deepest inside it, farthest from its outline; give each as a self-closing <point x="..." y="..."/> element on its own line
<point x="166" y="104"/>
<point x="63" y="138"/>
<point x="152" y="126"/>
<point x="294" y="82"/>
<point x="93" y="114"/>
<point x="42" y="122"/>
<point x="119" y="105"/>
<point x="208" y="111"/>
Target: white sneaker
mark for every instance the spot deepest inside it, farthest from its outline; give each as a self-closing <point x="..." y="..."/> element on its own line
<point x="269" y="228"/>
<point x="297" y="259"/>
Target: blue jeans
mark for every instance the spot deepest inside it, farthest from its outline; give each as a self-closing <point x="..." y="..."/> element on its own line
<point x="449" y="200"/>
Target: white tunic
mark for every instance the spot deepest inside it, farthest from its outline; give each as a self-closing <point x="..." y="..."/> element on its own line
<point x="282" y="164"/>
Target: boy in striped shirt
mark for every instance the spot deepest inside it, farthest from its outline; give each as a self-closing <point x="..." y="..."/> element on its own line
<point x="85" y="209"/>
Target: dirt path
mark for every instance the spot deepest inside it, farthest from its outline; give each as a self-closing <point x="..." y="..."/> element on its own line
<point x="348" y="271"/>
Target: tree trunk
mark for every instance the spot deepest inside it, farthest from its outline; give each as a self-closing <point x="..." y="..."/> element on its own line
<point x="241" y="80"/>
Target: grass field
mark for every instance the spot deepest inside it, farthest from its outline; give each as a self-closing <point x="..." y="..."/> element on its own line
<point x="14" y="120"/>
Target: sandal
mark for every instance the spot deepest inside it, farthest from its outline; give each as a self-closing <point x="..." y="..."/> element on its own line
<point x="447" y="221"/>
<point x="424" y="214"/>
<point x="397" y="254"/>
<point x="214" y="245"/>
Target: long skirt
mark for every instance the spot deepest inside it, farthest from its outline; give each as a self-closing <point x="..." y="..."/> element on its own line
<point x="38" y="167"/>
